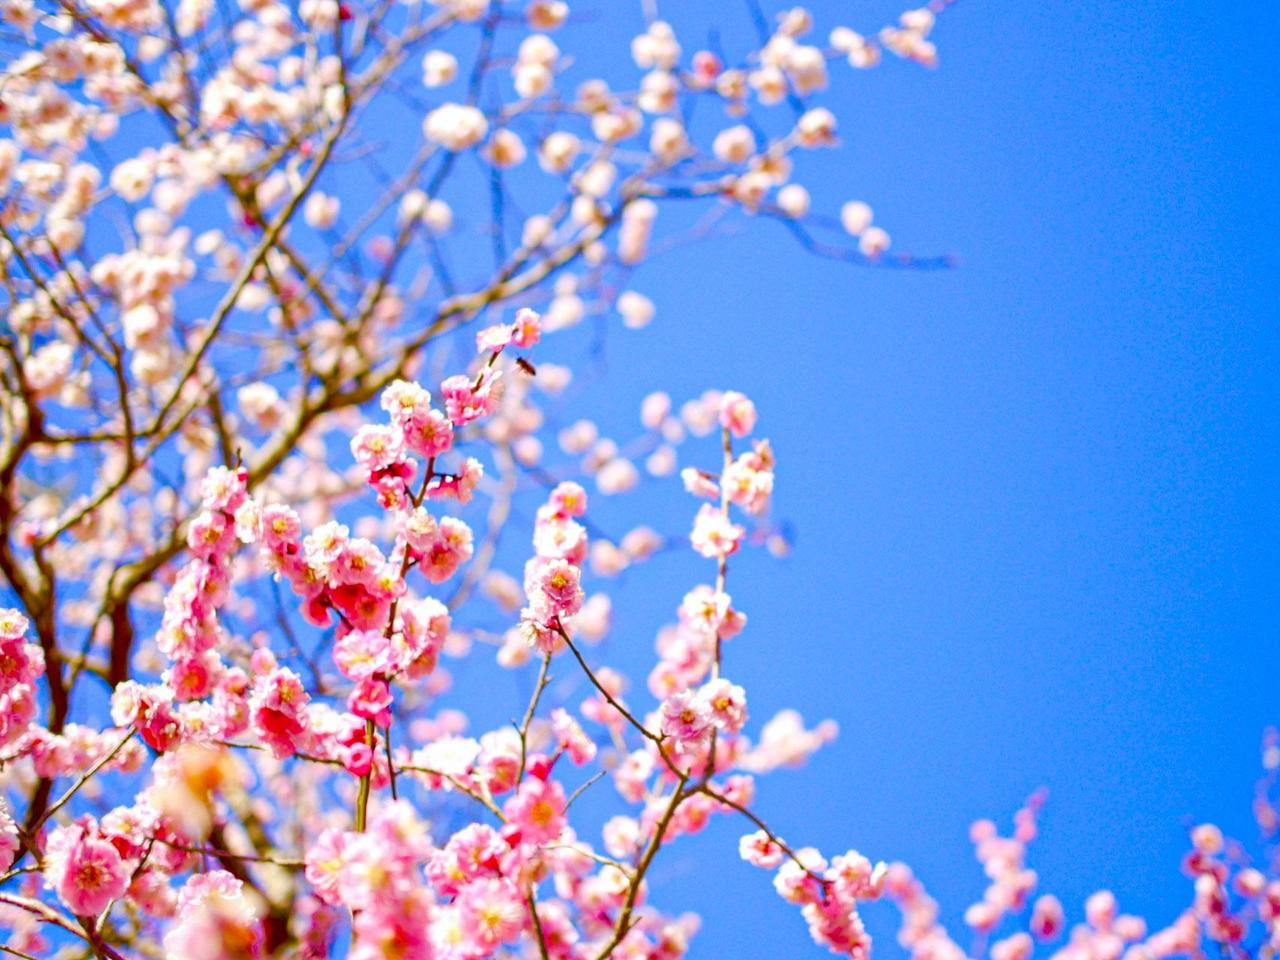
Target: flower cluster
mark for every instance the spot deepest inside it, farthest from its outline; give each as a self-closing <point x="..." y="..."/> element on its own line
<point x="21" y="663"/>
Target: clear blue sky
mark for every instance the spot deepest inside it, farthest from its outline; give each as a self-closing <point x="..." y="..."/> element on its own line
<point x="1034" y="498"/>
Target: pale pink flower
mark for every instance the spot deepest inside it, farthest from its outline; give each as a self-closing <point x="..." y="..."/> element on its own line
<point x="324" y="864"/>
<point x="360" y="654"/>
<point x="572" y="738"/>
<point x="9" y="842"/>
<point x="1019" y="946"/>
<point x="727" y="703"/>
<point x="405" y="401"/>
<point x="557" y="538"/>
<point x="455" y="126"/>
<point x="737" y="413"/>
<point x="568" y="499"/>
<point x="854" y="876"/>
<point x="217" y="919"/>
<point x="280" y="526"/>
<point x="714" y="535"/>
<point x="760" y="850"/>
<point x="621" y="836"/>
<point x="492" y="912"/>
<point x="527" y="328"/>
<point x="699" y="483"/>
<point x="705" y="610"/>
<point x="746" y="485"/>
<point x="376" y="447"/>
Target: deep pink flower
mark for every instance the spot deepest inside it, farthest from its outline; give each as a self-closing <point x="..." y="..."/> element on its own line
<point x="277" y="708"/>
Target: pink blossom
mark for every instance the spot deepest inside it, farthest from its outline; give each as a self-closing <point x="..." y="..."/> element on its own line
<point x="711" y="612"/>
<point x="572" y="738"/>
<point x="760" y="850"/>
<point x="713" y="533"/>
<point x="527" y="328"/>
<point x="361" y="654"/>
<point x="747" y="485"/>
<point x="217" y="919"/>
<point x="554" y="588"/>
<point x="459" y="486"/>
<point x="450" y="548"/>
<point x="376" y="447"/>
<point x="323" y="864"/>
<point x="210" y="534"/>
<point x="854" y="876"/>
<point x="277" y="708"/>
<point x="568" y="499"/>
<point x="193" y="677"/>
<point x="280" y="527"/>
<point x="558" y="537"/>
<point x="465" y="402"/>
<point x="9" y="842"/>
<point x="1046" y="917"/>
<point x="476" y="850"/>
<point x="796" y="882"/>
<point x="156" y="721"/>
<point x="537" y="810"/>
<point x="700" y="483"/>
<point x="524" y="332"/>
<point x="358" y="562"/>
<point x="737" y="413"/>
<point x="86" y="870"/>
<point x="727" y="703"/>
<point x="224" y="489"/>
<point x="493" y="913"/>
<point x="405" y="401"/>
<point x="686" y="717"/>
<point x="429" y="433"/>
<point x="20" y="662"/>
<point x="493" y="339"/>
<point x="325" y="543"/>
<point x="371" y="699"/>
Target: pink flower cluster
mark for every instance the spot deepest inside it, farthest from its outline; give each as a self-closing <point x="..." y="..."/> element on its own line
<point x="287" y="798"/>
<point x="553" y="576"/>
<point x="827" y="893"/>
<point x="200" y="696"/>
<point x="21" y="664"/>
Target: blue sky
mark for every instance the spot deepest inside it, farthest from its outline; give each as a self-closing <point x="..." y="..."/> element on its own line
<point x="1034" y="497"/>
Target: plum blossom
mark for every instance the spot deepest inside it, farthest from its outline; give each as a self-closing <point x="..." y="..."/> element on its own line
<point x="714" y="534"/>
<point x="85" y="869"/>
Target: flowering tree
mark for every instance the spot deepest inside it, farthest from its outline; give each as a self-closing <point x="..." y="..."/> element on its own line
<point x="253" y="488"/>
